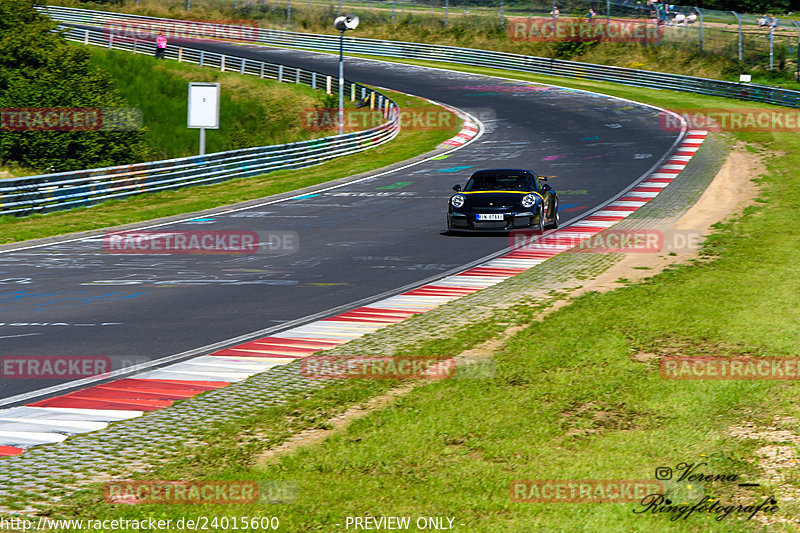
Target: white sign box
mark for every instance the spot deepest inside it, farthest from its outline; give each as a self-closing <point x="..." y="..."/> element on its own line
<point x="203" y="105"/>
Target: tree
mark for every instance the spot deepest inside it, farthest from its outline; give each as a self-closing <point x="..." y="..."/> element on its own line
<point x="40" y="70"/>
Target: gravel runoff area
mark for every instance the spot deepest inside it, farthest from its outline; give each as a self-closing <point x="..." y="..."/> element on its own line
<point x="42" y="475"/>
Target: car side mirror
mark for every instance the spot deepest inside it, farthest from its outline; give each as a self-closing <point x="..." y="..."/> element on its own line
<point x="546" y="187"/>
<point x="457" y="187"/>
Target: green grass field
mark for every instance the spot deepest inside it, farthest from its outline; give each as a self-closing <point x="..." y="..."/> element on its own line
<point x="569" y="399"/>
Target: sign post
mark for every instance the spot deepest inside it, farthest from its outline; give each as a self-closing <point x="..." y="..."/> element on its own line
<point x="203" y="109"/>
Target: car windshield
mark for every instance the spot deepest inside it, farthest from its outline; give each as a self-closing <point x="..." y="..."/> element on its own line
<point x="501" y="182"/>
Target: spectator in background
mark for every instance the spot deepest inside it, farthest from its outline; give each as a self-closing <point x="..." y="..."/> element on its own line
<point x="662" y="13"/>
<point x="161" y="46"/>
<point x="590" y="15"/>
<point x="762" y="21"/>
<point x="554" y="13"/>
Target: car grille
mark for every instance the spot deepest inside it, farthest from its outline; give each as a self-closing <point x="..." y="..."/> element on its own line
<point x="491" y="224"/>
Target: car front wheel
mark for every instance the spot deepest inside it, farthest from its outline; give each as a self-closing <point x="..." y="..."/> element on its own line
<point x="539" y="227"/>
<point x="556" y="218"/>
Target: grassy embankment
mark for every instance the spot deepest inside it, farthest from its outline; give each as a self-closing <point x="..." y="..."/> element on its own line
<point x="577" y="395"/>
<point x="253" y="112"/>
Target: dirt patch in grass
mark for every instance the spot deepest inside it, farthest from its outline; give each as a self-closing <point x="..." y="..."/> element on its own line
<point x="689" y="348"/>
<point x="592" y="417"/>
<point x="731" y="191"/>
<point x="672" y="347"/>
<point x="777" y="459"/>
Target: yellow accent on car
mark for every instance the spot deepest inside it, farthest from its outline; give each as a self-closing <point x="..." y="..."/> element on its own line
<point x="512" y="192"/>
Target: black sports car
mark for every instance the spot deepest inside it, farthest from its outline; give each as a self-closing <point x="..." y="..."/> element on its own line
<point x="503" y="200"/>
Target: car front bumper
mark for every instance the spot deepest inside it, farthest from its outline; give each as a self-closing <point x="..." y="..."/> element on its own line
<point x="467" y="221"/>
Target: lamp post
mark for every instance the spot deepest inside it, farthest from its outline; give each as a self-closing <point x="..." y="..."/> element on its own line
<point x="343" y="23"/>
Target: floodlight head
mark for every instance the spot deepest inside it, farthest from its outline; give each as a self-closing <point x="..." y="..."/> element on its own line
<point x="346" y="22"/>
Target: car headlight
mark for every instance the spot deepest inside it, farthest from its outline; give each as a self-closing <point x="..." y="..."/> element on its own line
<point x="529" y="200"/>
<point x="457" y="200"/>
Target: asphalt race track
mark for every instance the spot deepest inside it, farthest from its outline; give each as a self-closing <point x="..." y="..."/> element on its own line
<point x="355" y="241"/>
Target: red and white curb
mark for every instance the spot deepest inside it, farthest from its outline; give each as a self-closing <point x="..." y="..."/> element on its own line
<point x="469" y="129"/>
<point x="52" y="420"/>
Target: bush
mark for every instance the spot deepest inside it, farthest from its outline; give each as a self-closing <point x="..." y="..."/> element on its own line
<point x="570" y="49"/>
<point x="38" y="69"/>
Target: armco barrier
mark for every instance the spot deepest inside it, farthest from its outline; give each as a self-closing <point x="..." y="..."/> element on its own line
<point x="49" y="192"/>
<point x="469" y="56"/>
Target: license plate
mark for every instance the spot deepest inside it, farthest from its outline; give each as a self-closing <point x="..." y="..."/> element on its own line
<point x="489" y="216"/>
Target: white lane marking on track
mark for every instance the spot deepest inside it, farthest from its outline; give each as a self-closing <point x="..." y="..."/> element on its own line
<point x="20" y="335"/>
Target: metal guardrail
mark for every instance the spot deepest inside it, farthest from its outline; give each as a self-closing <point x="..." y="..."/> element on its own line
<point x="467" y="56"/>
<point x="63" y="190"/>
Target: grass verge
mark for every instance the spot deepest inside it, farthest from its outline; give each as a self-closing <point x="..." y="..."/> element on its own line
<point x="408" y="144"/>
<point x="577" y="395"/>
